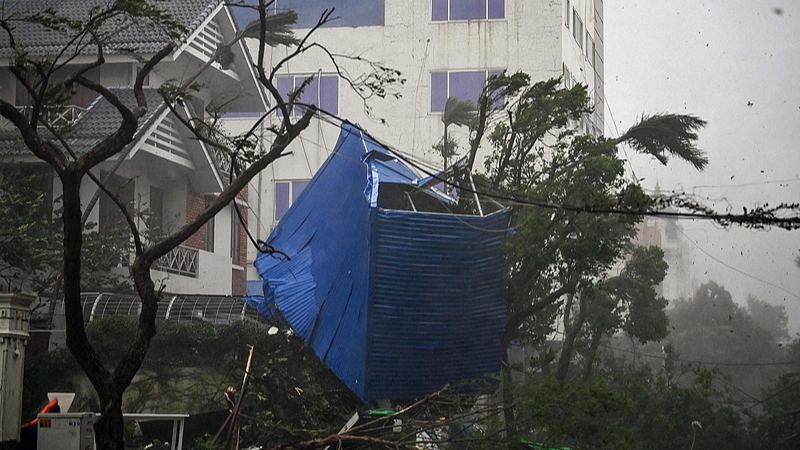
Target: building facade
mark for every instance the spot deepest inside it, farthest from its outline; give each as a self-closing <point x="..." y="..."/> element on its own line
<point x="442" y="48"/>
<point x="166" y="172"/>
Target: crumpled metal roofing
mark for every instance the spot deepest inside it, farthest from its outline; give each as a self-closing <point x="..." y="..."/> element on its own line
<point x="40" y="41"/>
<point x="397" y="303"/>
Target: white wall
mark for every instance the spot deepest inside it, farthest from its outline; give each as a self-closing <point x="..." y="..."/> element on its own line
<point x="533" y="38"/>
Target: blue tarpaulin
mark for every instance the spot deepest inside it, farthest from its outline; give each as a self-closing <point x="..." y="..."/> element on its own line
<point x="396" y="301"/>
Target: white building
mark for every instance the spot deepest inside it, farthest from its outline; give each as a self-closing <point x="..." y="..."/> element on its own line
<point x="667" y="234"/>
<point x="442" y="48"/>
<point x="166" y="169"/>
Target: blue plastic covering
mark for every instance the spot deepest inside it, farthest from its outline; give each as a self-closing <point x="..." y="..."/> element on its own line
<point x="396" y="303"/>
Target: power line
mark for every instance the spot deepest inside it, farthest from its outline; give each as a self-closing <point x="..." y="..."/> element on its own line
<point x="705" y="363"/>
<point x="735" y="269"/>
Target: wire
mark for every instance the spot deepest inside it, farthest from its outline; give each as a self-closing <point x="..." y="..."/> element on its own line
<point x="788" y="223"/>
<point x="734" y="268"/>
<point x="690" y="361"/>
<point x="705" y="363"/>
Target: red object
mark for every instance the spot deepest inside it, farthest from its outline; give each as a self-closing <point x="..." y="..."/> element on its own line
<point x="53" y="404"/>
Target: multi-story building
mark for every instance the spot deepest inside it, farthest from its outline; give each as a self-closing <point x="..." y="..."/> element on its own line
<point x="442" y="48"/>
<point x="667" y="234"/>
<point x="166" y="170"/>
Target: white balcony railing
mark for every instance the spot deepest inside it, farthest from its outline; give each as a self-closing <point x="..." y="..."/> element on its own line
<point x="58" y="117"/>
<point x="180" y="261"/>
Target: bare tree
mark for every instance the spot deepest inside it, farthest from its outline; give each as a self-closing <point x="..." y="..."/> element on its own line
<point x="50" y="79"/>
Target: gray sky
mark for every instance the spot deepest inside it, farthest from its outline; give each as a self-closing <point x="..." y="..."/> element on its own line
<point x="735" y="64"/>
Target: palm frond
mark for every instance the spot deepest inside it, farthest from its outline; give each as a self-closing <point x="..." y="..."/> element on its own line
<point x="663" y="135"/>
<point x="459" y="112"/>
<point x="278" y="26"/>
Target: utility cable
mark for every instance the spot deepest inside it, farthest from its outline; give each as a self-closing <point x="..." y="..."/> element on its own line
<point x="734" y="268"/>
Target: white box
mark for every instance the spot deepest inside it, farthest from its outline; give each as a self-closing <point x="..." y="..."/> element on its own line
<point x="68" y="431"/>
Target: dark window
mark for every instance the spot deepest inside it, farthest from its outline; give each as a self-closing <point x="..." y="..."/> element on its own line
<point x="322" y="91"/>
<point x="286" y="193"/>
<point x="364" y="13"/>
<point x="577" y="28"/>
<point x="443" y="10"/>
<point x="156" y="219"/>
<point x="110" y="217"/>
<point x="567" y="11"/>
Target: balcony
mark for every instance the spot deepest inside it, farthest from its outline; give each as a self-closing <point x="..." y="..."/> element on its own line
<point x="58" y="117"/>
<point x="180" y="261"/>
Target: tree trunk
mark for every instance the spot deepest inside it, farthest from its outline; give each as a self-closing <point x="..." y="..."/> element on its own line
<point x="571" y="331"/>
<point x="109" y="427"/>
<point x="508" y="391"/>
<point x="594" y="345"/>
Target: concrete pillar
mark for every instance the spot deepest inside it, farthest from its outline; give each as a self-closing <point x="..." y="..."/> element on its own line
<point x="14" y="320"/>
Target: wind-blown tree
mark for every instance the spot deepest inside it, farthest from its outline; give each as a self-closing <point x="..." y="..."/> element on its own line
<point x="564" y="243"/>
<point x="712" y="327"/>
<point x="627" y="302"/>
<point x="49" y="82"/>
<point x="459" y="113"/>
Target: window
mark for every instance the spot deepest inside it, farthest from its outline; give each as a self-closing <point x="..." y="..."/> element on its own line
<point x="322" y="91"/>
<point x="567" y="10"/>
<point x="567" y="78"/>
<point x="577" y="28"/>
<point x="156" y="219"/>
<point x="286" y="192"/>
<point x="110" y="217"/>
<point x="464" y="85"/>
<point x="443" y="10"/>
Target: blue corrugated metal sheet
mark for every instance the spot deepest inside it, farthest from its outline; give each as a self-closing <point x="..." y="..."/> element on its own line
<point x="436" y="309"/>
<point x="322" y="289"/>
<point x="396" y="303"/>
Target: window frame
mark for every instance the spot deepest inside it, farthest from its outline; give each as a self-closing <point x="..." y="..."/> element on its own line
<point x="320" y="79"/>
<point x="487" y="74"/>
<point x="488" y="5"/>
<point x="291" y="195"/>
<point x="577" y="31"/>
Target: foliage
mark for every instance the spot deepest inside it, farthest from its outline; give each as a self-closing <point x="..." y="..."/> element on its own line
<point x="628" y="302"/>
<point x="663" y="134"/>
<point x="771" y="318"/>
<point x="712" y="327"/>
<point x="30" y="254"/>
<point x="28" y="245"/>
<point x="456" y="112"/>
<point x="292" y="395"/>
<point x="47" y="83"/>
<point x="575" y="415"/>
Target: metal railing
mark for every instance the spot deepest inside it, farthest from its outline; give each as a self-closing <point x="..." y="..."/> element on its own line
<point x="180" y="261"/>
<point x="58" y="117"/>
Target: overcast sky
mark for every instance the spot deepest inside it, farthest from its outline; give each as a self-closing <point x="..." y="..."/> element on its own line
<point x="735" y="64"/>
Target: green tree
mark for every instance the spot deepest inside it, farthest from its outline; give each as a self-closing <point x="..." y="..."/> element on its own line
<point x="629" y="303"/>
<point x="49" y="81"/>
<point x="564" y="246"/>
<point x="768" y="317"/>
<point x="459" y="113"/>
<point x="712" y="328"/>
